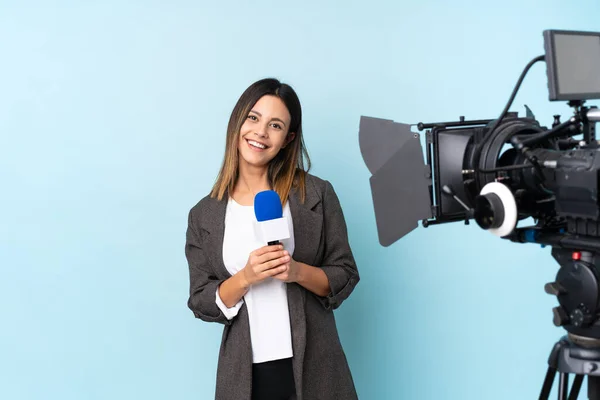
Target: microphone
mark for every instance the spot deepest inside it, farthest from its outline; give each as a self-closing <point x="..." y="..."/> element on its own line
<point x="272" y="226"/>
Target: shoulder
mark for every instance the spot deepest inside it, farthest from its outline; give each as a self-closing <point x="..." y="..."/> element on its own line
<point x="319" y="190"/>
<point x="317" y="184"/>
<point x="204" y="203"/>
<point x="206" y="212"/>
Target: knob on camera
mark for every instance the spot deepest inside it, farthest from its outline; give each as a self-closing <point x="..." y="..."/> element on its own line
<point x="496" y="209"/>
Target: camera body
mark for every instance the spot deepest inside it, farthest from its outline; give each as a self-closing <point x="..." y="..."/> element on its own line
<point x="505" y="170"/>
<point x="553" y="180"/>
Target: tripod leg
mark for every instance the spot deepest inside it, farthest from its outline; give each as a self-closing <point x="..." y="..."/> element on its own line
<point x="547" y="387"/>
<point x="593" y="387"/>
<point x="563" y="386"/>
<point x="576" y="387"/>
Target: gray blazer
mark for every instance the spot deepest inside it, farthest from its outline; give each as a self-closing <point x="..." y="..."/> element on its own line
<point x="321" y="370"/>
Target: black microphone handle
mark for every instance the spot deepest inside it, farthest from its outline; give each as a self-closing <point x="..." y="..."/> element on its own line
<point x="273" y="243"/>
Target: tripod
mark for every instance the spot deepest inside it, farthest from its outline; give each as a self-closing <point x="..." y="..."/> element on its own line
<point x="573" y="355"/>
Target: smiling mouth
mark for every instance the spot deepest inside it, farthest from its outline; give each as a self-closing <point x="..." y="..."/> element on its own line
<point x="256" y="145"/>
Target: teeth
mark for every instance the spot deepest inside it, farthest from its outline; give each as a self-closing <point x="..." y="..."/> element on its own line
<point x="256" y="144"/>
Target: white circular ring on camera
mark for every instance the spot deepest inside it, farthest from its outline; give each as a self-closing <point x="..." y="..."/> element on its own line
<point x="508" y="203"/>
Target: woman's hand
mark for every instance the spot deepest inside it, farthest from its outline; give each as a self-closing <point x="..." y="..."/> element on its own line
<point x="291" y="272"/>
<point x="263" y="263"/>
<point x="311" y="278"/>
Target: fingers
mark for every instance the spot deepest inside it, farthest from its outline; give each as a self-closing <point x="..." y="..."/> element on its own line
<point x="274" y="272"/>
<point x="273" y="255"/>
<point x="271" y="264"/>
<point x="267" y="253"/>
<point x="267" y="249"/>
<point x="266" y="262"/>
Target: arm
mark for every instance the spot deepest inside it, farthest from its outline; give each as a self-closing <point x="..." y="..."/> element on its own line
<point x="313" y="279"/>
<point x="338" y="261"/>
<point x="262" y="263"/>
<point x="233" y="289"/>
<point x="203" y="282"/>
<point x="219" y="300"/>
<point x="336" y="277"/>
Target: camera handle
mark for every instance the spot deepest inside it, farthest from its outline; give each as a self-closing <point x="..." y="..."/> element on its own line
<point x="448" y="191"/>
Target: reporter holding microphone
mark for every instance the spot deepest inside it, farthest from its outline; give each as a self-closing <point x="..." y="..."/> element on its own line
<point x="275" y="301"/>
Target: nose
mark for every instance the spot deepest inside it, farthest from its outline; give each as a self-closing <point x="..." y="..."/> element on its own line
<point x="261" y="131"/>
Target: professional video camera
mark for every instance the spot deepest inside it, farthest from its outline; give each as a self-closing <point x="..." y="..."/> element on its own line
<point x="505" y="170"/>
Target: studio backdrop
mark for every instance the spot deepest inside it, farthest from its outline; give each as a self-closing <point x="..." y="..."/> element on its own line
<point x="112" y="126"/>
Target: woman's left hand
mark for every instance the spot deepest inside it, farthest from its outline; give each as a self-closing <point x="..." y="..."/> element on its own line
<point x="311" y="278"/>
<point x="291" y="274"/>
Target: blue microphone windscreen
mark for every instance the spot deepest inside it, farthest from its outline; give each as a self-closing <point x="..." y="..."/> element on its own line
<point x="267" y="206"/>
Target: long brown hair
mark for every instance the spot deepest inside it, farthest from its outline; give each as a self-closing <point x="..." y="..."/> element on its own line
<point x="286" y="170"/>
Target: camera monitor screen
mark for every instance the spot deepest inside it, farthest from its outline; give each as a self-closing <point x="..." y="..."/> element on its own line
<point x="573" y="64"/>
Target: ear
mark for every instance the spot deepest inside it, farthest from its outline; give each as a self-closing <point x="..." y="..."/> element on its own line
<point x="289" y="138"/>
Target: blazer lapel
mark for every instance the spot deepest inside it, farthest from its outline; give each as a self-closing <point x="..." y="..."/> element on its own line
<point x="307" y="225"/>
<point x="307" y="237"/>
<point x="213" y="222"/>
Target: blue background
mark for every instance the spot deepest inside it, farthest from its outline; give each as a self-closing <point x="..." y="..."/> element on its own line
<point x="112" y="125"/>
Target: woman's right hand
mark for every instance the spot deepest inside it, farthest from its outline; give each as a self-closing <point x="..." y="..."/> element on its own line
<point x="265" y="262"/>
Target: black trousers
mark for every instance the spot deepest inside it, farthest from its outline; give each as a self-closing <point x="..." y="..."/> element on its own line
<point x="273" y="380"/>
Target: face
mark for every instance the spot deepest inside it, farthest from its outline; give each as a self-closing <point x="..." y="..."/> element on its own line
<point x="265" y="131"/>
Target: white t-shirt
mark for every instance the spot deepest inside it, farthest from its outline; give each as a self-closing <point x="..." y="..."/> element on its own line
<point x="267" y="303"/>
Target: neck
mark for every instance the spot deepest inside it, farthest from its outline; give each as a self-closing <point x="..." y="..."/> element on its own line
<point x="253" y="179"/>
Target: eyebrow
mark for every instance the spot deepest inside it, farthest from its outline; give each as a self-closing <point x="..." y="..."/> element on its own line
<point x="274" y="119"/>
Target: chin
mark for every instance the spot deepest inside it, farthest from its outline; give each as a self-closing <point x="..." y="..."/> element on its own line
<point x="252" y="161"/>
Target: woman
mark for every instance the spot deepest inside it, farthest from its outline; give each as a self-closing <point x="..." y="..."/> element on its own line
<point x="276" y="303"/>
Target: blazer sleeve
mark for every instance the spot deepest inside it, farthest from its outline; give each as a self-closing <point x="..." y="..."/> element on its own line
<point x="203" y="282"/>
<point x="338" y="261"/>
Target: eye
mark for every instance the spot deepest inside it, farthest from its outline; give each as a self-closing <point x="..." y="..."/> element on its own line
<point x="252" y="117"/>
<point x="276" y="126"/>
